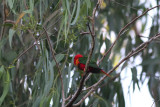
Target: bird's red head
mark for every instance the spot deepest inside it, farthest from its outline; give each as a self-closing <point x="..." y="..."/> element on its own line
<point x="76" y="59"/>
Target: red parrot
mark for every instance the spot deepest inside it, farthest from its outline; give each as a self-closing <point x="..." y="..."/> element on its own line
<point x="80" y="62"/>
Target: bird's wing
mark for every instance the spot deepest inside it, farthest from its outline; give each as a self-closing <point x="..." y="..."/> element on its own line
<point x="92" y="63"/>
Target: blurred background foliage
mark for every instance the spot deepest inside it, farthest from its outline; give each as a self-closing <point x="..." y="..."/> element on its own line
<point x="28" y="73"/>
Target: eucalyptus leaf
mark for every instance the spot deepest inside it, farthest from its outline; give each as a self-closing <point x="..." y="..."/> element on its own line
<point x="134" y="78"/>
<point x="10" y="3"/>
<point x="6" y="84"/>
<point x="59" y="57"/>
<point x="88" y="2"/>
<point x="2" y="70"/>
<point x="11" y="33"/>
<point x="77" y="13"/>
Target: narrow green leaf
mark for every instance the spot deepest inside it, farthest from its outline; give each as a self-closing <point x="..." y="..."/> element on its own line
<point x="78" y="10"/>
<point x="120" y="95"/>
<point x="11" y="33"/>
<point x="73" y="12"/>
<point x="59" y="57"/>
<point x="65" y="25"/>
<point x="28" y="11"/>
<point x="37" y="101"/>
<point x="95" y="103"/>
<point x="134" y="78"/>
<point x="124" y="65"/>
<point x="1" y="71"/>
<point x="6" y="82"/>
<point x="59" y="32"/>
<point x="31" y="5"/>
<point x="42" y="102"/>
<point x="10" y="3"/>
<point x="68" y="6"/>
<point x="88" y="2"/>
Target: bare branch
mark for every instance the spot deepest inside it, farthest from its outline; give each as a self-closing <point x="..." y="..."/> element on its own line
<point x="123" y="29"/>
<point x="83" y="33"/>
<point x="93" y="16"/>
<point x="10" y="21"/>
<point x="25" y="51"/>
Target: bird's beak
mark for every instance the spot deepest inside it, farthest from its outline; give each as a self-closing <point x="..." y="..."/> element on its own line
<point x="77" y="62"/>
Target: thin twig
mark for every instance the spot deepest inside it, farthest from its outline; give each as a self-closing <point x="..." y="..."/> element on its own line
<point x="10" y="21"/>
<point x="128" y="7"/>
<point x="68" y="98"/>
<point x="111" y="79"/>
<point x="123" y="29"/>
<point x="154" y="102"/>
<point x="84" y="33"/>
<point x="26" y="51"/>
<point x="93" y="16"/>
<point x="52" y="51"/>
<point x="88" y="77"/>
<point x="52" y="16"/>
<point x="36" y="40"/>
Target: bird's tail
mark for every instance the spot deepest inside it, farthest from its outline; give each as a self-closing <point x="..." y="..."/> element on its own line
<point x="105" y="73"/>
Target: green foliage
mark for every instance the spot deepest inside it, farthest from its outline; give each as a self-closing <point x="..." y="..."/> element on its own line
<point x="29" y="75"/>
<point x="11" y="33"/>
<point x="5" y="83"/>
<point x="134" y="78"/>
<point x="30" y="23"/>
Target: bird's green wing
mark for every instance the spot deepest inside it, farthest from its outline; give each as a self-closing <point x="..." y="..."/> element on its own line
<point x="83" y="60"/>
<point x="92" y="63"/>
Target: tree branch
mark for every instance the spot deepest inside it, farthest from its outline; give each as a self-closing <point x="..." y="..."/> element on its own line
<point x="127" y="57"/>
<point x="132" y="53"/>
<point x="123" y="29"/>
<point x="52" y="50"/>
<point x="75" y="96"/>
<point x="84" y="33"/>
<point x="92" y="32"/>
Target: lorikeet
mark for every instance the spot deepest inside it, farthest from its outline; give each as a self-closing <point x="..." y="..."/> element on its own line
<point x="80" y="62"/>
